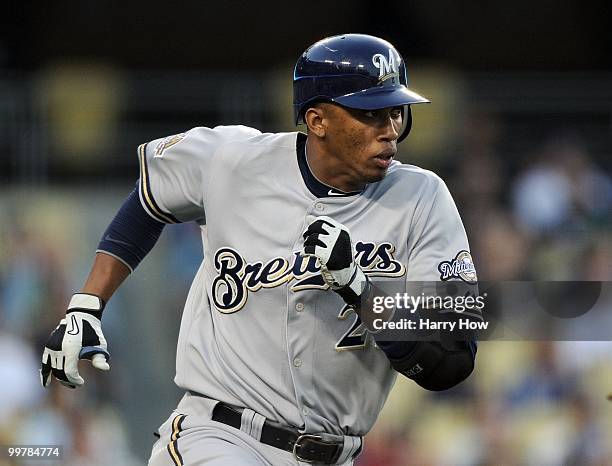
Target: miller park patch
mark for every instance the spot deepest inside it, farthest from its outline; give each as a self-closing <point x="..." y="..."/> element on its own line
<point x="462" y="267"/>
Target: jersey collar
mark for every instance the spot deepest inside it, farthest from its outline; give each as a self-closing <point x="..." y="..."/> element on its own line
<point x="315" y="186"/>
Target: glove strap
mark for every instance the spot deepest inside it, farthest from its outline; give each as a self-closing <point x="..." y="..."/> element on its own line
<point x="353" y="291"/>
<point x="87" y="303"/>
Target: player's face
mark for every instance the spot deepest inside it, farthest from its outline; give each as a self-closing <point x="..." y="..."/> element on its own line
<point x="364" y="142"/>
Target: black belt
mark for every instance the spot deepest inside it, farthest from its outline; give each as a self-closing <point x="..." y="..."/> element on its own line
<point x="309" y="448"/>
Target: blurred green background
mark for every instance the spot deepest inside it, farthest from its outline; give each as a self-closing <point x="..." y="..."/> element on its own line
<point x="520" y="127"/>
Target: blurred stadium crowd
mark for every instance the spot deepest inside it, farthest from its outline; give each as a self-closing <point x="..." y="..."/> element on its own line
<point x="537" y="214"/>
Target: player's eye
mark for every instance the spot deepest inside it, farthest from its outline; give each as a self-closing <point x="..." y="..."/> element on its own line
<point x="396" y="112"/>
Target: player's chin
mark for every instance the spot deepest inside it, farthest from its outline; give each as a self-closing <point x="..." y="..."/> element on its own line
<point x="377" y="169"/>
<point x="374" y="175"/>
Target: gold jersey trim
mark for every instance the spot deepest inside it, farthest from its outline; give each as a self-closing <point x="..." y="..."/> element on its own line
<point x="145" y="190"/>
<point x="173" y="450"/>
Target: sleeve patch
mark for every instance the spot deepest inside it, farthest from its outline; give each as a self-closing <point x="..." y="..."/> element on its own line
<point x="462" y="267"/>
<point x="166" y="143"/>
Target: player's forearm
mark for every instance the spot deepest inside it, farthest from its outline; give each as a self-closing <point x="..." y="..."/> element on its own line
<point x="106" y="275"/>
<point x="434" y="365"/>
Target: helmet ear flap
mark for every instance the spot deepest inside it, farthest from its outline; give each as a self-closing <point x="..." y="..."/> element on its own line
<point x="406" y="123"/>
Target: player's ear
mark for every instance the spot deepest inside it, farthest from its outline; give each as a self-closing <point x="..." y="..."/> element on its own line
<point x="314" y="119"/>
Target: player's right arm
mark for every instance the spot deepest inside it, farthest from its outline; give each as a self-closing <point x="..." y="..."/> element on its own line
<point x="126" y="241"/>
<point x="106" y="275"/>
<point x="174" y="174"/>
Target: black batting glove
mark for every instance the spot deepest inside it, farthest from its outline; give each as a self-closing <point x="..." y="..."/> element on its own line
<point x="330" y="242"/>
<point x="78" y="336"/>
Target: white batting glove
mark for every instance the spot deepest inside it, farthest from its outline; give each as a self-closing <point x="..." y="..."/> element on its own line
<point x="330" y="242"/>
<point x="78" y="336"/>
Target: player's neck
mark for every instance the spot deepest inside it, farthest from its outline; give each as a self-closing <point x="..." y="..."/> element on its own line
<point x="329" y="170"/>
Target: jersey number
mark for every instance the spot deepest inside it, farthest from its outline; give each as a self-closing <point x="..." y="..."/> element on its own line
<point x="356" y="337"/>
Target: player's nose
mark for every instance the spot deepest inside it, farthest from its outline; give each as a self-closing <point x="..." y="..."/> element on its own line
<point x="389" y="129"/>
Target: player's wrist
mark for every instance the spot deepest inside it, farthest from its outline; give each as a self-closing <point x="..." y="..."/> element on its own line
<point x="87" y="303"/>
<point x="353" y="291"/>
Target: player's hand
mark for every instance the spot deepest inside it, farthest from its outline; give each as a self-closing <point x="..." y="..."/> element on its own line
<point x="78" y="336"/>
<point x="330" y="242"/>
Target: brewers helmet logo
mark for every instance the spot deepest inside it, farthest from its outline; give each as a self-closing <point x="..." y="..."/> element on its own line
<point x="387" y="68"/>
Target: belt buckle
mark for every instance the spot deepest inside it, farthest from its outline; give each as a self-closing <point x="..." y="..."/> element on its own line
<point x="297" y="445"/>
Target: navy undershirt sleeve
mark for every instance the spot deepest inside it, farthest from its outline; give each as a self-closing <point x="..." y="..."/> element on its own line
<point x="132" y="233"/>
<point x="396" y="349"/>
<point x="400" y="349"/>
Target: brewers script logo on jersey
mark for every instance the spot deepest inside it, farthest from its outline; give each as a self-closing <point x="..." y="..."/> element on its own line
<point x="230" y="289"/>
<point x="387" y="68"/>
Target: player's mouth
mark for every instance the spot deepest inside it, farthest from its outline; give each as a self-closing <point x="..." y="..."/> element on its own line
<point x="383" y="159"/>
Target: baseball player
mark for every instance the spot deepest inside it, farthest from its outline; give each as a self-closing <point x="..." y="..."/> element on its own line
<point x="276" y="365"/>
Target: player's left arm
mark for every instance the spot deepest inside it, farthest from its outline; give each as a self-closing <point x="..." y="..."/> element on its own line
<point x="434" y="365"/>
<point x="438" y="240"/>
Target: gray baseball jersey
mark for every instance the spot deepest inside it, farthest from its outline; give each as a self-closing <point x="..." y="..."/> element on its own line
<point x="260" y="329"/>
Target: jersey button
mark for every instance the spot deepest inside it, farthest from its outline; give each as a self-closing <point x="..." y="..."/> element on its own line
<point x="299" y="307"/>
<point x="319" y="206"/>
<point x="297" y="362"/>
<point x="305" y="411"/>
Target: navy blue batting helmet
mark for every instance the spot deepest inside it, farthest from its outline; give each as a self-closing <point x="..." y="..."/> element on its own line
<point x="356" y="71"/>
